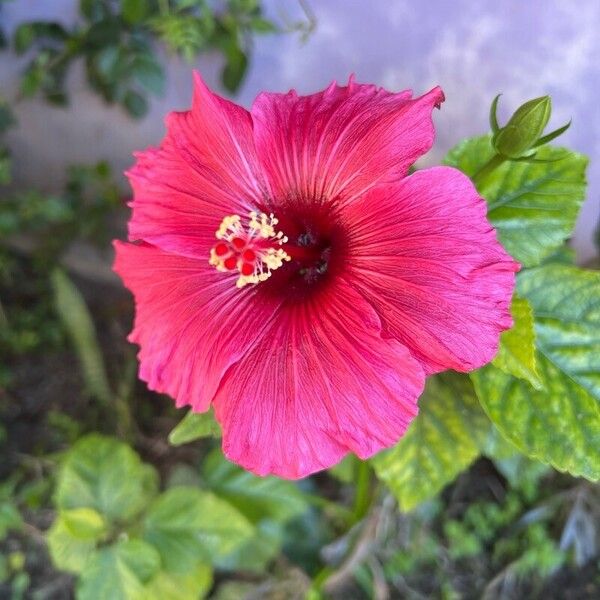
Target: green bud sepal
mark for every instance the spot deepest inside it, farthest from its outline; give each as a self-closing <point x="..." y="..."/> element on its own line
<point x="523" y="133"/>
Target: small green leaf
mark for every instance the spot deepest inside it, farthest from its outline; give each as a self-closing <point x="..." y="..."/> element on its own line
<point x="119" y="572"/>
<point x="149" y="73"/>
<point x="261" y="25"/>
<point x="517" y="345"/>
<point x="442" y="441"/>
<point x="73" y="311"/>
<point x="103" y="33"/>
<point x="10" y="518"/>
<point x="27" y="33"/>
<point x="134" y="11"/>
<point x="191" y="585"/>
<point x="7" y="118"/>
<point x="106" y="475"/>
<point x="135" y="104"/>
<point x="559" y="425"/>
<point x="187" y="525"/>
<point x="235" y="68"/>
<point x="255" y="497"/>
<point x="23" y="37"/>
<point x="256" y="554"/>
<point x="194" y="426"/>
<point x="344" y="471"/>
<point x="533" y="206"/>
<point x="84" y="523"/>
<point x="68" y="553"/>
<point x="93" y="10"/>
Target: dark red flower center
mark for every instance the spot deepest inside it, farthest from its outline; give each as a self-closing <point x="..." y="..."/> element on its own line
<point x="254" y="247"/>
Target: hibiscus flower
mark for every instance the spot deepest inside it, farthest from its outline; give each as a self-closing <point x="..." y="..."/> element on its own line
<point x="287" y="271"/>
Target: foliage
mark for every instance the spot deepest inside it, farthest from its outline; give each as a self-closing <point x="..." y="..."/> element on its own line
<point x="533" y="206"/>
<point x="54" y="222"/>
<point x="193" y="427"/>
<point x="559" y="423"/>
<point x="443" y="440"/>
<point x="117" y="42"/>
<point x="127" y="540"/>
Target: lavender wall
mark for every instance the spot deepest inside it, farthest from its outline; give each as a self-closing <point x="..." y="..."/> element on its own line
<point x="473" y="49"/>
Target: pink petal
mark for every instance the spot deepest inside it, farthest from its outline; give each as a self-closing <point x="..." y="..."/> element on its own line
<point x="342" y="141"/>
<point x="320" y="383"/>
<point x="191" y="322"/>
<point x="426" y="257"/>
<point x="205" y="169"/>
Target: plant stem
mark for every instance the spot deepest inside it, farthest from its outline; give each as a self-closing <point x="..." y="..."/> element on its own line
<point x="362" y="498"/>
<point x="486" y="169"/>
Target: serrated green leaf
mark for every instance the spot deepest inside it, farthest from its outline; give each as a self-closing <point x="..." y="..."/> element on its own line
<point x="442" y="441"/>
<point x="106" y="475"/>
<point x="119" y="572"/>
<point x="516" y="355"/>
<point x="194" y="426"/>
<point x="73" y="311"/>
<point x="255" y="497"/>
<point x="191" y="585"/>
<point x="566" y="304"/>
<point x="187" y="525"/>
<point x="559" y="425"/>
<point x="533" y="206"/>
<point x="84" y="523"/>
<point x="68" y="552"/>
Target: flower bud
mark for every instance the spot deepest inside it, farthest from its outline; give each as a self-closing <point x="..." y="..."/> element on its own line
<point x="520" y="135"/>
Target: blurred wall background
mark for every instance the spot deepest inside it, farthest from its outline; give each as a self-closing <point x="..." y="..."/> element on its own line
<point x="473" y="49"/>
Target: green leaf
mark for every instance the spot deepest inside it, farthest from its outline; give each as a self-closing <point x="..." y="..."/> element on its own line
<point x="84" y="523"/>
<point x="119" y="572"/>
<point x="255" y="497"/>
<point x="559" y="425"/>
<point x="442" y="441"/>
<point x="516" y="355"/>
<point x="27" y="33"/>
<point x="149" y="73"/>
<point x="106" y="475"/>
<point x="7" y="117"/>
<point x="344" y="471"/>
<point x="93" y="10"/>
<point x="532" y="205"/>
<point x="134" y="11"/>
<point x="256" y="554"/>
<point x="235" y="68"/>
<point x="10" y="518"/>
<point x="191" y="585"/>
<point x="194" y="426"/>
<point x="68" y="553"/>
<point x="135" y="104"/>
<point x="566" y="304"/>
<point x="187" y="525"/>
<point x="261" y="25"/>
<point x="73" y="311"/>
